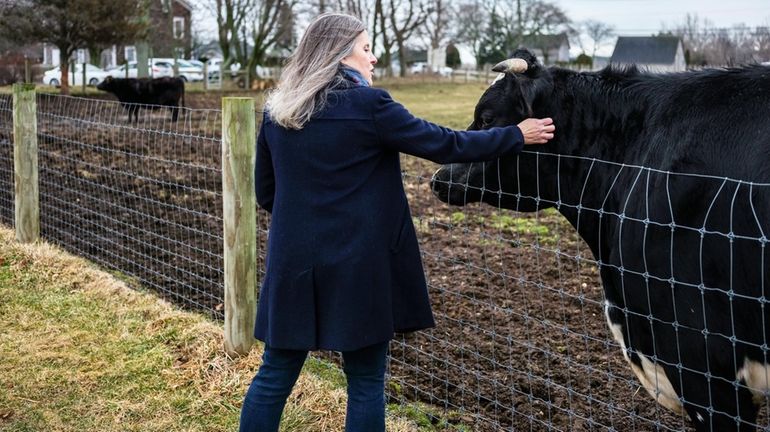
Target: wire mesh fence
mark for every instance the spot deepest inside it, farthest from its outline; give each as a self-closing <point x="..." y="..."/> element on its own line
<point x="6" y="159"/>
<point x="141" y="199"/>
<point x="522" y="339"/>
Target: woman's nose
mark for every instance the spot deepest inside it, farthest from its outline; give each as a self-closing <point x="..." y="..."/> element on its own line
<point x="374" y="59"/>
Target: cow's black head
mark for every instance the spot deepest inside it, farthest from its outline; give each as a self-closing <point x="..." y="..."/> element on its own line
<point x="107" y="84"/>
<point x="522" y="90"/>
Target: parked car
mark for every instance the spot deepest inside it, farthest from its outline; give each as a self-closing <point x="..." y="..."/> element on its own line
<point x="159" y="69"/>
<point x="94" y="75"/>
<point x="422" y="67"/>
<point x="196" y="63"/>
<point x="187" y="70"/>
<point x="445" y="71"/>
<point x="418" y="68"/>
<point x="215" y="63"/>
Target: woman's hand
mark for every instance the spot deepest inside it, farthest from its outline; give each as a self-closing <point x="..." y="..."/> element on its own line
<point x="537" y="131"/>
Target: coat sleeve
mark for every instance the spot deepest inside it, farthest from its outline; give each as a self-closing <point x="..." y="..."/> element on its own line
<point x="398" y="129"/>
<point x="264" y="178"/>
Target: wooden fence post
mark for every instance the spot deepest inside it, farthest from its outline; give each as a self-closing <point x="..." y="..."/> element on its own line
<point x="206" y="76"/>
<point x="239" y="216"/>
<point x="27" y="210"/>
<point x="27" y="71"/>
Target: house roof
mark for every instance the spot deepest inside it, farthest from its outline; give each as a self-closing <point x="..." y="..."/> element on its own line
<point x="187" y="5"/>
<point x="646" y="50"/>
<point x="545" y="41"/>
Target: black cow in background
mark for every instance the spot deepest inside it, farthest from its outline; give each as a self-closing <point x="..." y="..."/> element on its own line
<point x="149" y="93"/>
<point x="682" y="258"/>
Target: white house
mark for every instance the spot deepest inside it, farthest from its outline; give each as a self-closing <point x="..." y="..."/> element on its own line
<point x="548" y="48"/>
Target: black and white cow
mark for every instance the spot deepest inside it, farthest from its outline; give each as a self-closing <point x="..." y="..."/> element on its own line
<point x="148" y="93"/>
<point x="667" y="179"/>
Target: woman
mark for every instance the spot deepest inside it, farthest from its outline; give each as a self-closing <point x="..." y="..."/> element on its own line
<point x="343" y="266"/>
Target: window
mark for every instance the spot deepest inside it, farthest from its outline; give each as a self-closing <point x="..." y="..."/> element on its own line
<point x="179" y="53"/>
<point x="178" y="27"/>
<point x="130" y="53"/>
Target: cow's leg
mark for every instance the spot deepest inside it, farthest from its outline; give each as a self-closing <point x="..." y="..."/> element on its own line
<point x="174" y="113"/>
<point x="717" y="405"/>
<point x="652" y="376"/>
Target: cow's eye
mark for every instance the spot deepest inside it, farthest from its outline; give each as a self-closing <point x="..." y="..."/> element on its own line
<point x="486" y="120"/>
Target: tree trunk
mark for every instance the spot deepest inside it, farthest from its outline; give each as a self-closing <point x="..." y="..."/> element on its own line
<point x="64" y="67"/>
<point x="401" y="57"/>
<point x="387" y="44"/>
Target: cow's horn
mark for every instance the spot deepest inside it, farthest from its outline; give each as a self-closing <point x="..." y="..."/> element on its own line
<point x="514" y="65"/>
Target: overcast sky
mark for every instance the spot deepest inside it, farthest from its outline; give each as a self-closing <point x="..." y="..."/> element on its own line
<point x="631" y="17"/>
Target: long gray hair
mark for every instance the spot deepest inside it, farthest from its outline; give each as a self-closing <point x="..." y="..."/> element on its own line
<point x="312" y="69"/>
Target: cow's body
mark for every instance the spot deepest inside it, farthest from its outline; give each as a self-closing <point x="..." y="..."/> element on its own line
<point x="149" y="93"/>
<point x="682" y="258"/>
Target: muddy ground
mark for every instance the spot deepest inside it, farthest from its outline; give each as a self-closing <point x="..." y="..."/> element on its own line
<point x="520" y="343"/>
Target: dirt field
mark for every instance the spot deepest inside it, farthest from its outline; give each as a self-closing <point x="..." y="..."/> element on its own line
<point x="520" y="343"/>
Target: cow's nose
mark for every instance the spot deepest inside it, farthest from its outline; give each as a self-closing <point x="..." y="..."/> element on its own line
<point x="439" y="184"/>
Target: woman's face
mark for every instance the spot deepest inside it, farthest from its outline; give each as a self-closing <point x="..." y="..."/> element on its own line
<point x="362" y="58"/>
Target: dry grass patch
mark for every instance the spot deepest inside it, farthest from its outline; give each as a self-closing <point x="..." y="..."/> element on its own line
<point x="447" y="104"/>
<point x="82" y="352"/>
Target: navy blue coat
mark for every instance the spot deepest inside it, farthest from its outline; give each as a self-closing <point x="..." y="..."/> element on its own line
<point x="343" y="266"/>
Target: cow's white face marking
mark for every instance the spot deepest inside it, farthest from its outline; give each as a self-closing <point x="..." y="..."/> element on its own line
<point x="499" y="77"/>
<point x="651" y="375"/>
<point x="757" y="377"/>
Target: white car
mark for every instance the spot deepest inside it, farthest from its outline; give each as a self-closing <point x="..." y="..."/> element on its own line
<point x="215" y="63"/>
<point x="418" y="67"/>
<point x="94" y="76"/>
<point x="187" y="70"/>
<point x="159" y="69"/>
<point x="422" y="67"/>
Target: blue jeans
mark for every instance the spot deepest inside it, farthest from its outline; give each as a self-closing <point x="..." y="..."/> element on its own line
<point x="365" y="373"/>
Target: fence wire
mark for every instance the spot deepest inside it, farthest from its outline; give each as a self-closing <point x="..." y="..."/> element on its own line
<point x="521" y="341"/>
<point x="6" y="160"/>
<point x="143" y="199"/>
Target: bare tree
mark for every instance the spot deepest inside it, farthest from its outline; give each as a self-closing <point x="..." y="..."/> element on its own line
<point x="273" y="22"/>
<point x="437" y="24"/>
<point x="309" y="9"/>
<point x="694" y="38"/>
<point x="762" y="43"/>
<point x="383" y="32"/>
<point x="529" y="17"/>
<point x="405" y="17"/>
<point x="470" y="25"/>
<point x="73" y="24"/>
<point x="231" y="18"/>
<point x="248" y="29"/>
<point x="706" y="44"/>
<point x="599" y="33"/>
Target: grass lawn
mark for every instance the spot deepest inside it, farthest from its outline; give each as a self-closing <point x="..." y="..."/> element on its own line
<point x="449" y="105"/>
<point x="82" y="352"/>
